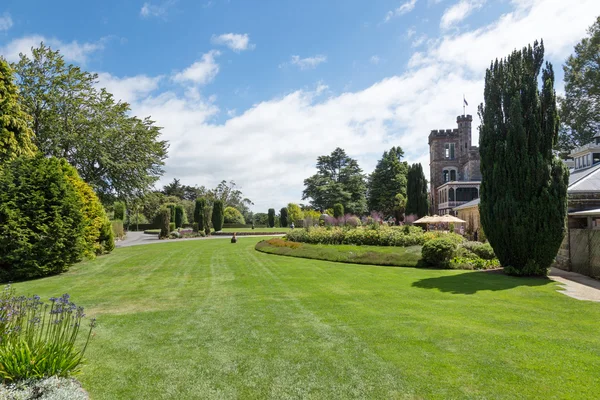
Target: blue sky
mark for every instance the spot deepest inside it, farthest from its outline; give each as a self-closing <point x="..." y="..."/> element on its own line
<point x="254" y="91"/>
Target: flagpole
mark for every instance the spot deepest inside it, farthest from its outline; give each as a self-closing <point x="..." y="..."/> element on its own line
<point x="464" y="106"/>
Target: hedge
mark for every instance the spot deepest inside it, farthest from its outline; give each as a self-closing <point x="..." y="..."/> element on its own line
<point x="382" y="236"/>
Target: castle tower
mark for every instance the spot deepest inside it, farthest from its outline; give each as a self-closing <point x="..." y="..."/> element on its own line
<point x="454" y="166"/>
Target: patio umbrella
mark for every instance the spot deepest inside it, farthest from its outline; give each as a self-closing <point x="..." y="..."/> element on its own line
<point x="425" y="220"/>
<point x="450" y="218"/>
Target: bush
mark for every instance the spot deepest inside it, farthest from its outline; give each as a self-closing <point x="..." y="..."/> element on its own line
<point x="481" y="250"/>
<point x="473" y="263"/>
<point x="271" y="218"/>
<point x="94" y="216"/>
<point x="438" y="252"/>
<point x="164" y="220"/>
<point x="152" y="232"/>
<point x="38" y="340"/>
<point x="338" y="210"/>
<point x="199" y="213"/>
<point x="218" y="216"/>
<point x="117" y="228"/>
<point x="172" y="226"/>
<point x="179" y="212"/>
<point x="119" y="211"/>
<point x="195" y="227"/>
<point x="231" y="215"/>
<point x="107" y="236"/>
<point x="42" y="226"/>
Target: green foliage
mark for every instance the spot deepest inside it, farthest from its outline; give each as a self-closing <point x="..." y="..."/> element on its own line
<point x="339" y="179"/>
<point x="295" y="213"/>
<point x="172" y="227"/>
<point x="524" y="186"/>
<point x="179" y="214"/>
<point x="119" y="155"/>
<point x="171" y="207"/>
<point x="16" y="138"/>
<point x="338" y="210"/>
<point x="199" y="214"/>
<point x="117" y="228"/>
<point x="218" y="216"/>
<point x="283" y="218"/>
<point x="38" y="340"/>
<point x="271" y="218"/>
<point x="438" y="252"/>
<point x="382" y="236"/>
<point x="417" y="200"/>
<point x="164" y="221"/>
<point x="580" y="108"/>
<point x="388" y="180"/>
<point x="107" y="236"/>
<point x="119" y="210"/>
<point x="152" y="232"/>
<point x="94" y="216"/>
<point x="473" y="263"/>
<point x="233" y="216"/>
<point x="481" y="250"/>
<point x="42" y="229"/>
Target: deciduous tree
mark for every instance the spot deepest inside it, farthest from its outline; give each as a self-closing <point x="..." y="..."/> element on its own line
<point x="388" y="180"/>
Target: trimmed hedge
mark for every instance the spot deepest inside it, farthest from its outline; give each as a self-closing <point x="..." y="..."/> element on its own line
<point x="438" y="252"/>
<point x="381" y="236"/>
<point x="117" y="228"/>
<point x="248" y="233"/>
<point x="217" y="215"/>
<point x="164" y="217"/>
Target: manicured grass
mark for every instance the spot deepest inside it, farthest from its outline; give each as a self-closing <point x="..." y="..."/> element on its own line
<point x="372" y="255"/>
<point x="210" y="319"/>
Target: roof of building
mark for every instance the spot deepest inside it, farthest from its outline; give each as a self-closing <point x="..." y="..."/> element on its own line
<point x="472" y="203"/>
<point x="585" y="180"/>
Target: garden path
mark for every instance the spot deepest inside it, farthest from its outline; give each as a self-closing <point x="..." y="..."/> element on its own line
<point x="578" y="286"/>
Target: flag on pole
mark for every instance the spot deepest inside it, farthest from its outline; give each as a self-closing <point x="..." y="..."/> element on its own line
<point x="465" y="100"/>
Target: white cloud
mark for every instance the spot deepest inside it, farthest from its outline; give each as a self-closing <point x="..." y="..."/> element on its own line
<point x="72" y="52"/>
<point x="419" y="40"/>
<point x="236" y="42"/>
<point x="5" y="22"/>
<point x="200" y="72"/>
<point x="410" y="32"/>
<point x="375" y="60"/>
<point x="156" y="10"/>
<point x="403" y="9"/>
<point x="459" y="12"/>
<point x="128" y="89"/>
<point x="305" y="63"/>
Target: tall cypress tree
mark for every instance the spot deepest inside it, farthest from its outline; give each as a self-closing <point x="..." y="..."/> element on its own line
<point x="218" y="215"/>
<point x="283" y="217"/>
<point x="271" y="217"/>
<point x="199" y="213"/>
<point x="524" y="185"/>
<point x="16" y="137"/>
<point x="387" y="180"/>
<point x="416" y="191"/>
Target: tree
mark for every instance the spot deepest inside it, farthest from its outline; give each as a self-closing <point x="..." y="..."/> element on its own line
<point x="338" y="210"/>
<point x="416" y="191"/>
<point x="580" y="108"/>
<point x="94" y="216"/>
<point x="524" y="186"/>
<point x="388" y="180"/>
<point x="399" y="207"/>
<point x="339" y="179"/>
<point x="119" y="210"/>
<point x="199" y="213"/>
<point x="179" y="213"/>
<point x="233" y="216"/>
<point x="217" y="215"/>
<point x="283" y="217"/>
<point x="261" y="219"/>
<point x="42" y="226"/>
<point x="120" y="156"/>
<point x="164" y="220"/>
<point x="16" y="137"/>
<point x="294" y="212"/>
<point x="271" y="218"/>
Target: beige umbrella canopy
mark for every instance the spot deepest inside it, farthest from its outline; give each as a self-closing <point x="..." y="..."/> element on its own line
<point x="437" y="219"/>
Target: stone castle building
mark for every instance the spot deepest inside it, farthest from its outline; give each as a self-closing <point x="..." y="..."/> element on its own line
<point x="454" y="167"/>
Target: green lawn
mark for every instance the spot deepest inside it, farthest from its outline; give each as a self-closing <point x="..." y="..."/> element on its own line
<point x="209" y="319"/>
<point x="373" y="255"/>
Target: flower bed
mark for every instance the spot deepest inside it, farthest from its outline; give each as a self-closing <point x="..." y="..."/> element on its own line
<point x="248" y="233"/>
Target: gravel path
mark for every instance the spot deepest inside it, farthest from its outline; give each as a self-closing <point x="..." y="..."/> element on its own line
<point x="576" y="285"/>
<point x="139" y="238"/>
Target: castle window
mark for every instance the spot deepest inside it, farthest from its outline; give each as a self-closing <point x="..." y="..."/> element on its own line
<point x="449" y="151"/>
<point x="452" y="175"/>
<point x="445" y="175"/>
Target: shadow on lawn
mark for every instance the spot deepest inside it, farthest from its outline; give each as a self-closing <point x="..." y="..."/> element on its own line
<point x="472" y="282"/>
